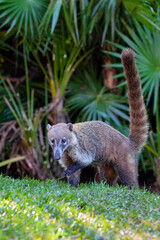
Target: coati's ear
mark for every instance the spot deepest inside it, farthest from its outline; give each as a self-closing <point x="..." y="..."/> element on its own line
<point x="70" y="126"/>
<point x="48" y="127"/>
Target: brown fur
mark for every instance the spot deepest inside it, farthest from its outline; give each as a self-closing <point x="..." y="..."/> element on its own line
<point x="138" y="124"/>
<point x="95" y="143"/>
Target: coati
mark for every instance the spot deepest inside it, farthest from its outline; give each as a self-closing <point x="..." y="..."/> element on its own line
<point x="95" y="143"/>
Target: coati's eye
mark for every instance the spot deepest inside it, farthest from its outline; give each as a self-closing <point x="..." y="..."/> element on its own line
<point x="53" y="140"/>
<point x="63" y="140"/>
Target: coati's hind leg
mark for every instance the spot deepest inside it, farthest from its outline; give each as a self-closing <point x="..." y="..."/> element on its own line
<point x="74" y="179"/>
<point x="108" y="173"/>
<point x="127" y="170"/>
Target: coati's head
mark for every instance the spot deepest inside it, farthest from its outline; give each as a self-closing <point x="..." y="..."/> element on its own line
<point x="60" y="137"/>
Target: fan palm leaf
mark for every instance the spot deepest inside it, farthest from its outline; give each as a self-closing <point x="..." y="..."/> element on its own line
<point x="146" y="46"/>
<point x="22" y="14"/>
<point x="89" y="100"/>
<point x="81" y="18"/>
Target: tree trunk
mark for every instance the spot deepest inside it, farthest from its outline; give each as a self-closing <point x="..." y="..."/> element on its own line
<point x="108" y="74"/>
<point x="59" y="115"/>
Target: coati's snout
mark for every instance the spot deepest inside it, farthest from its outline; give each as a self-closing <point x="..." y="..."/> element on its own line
<point x="60" y="137"/>
<point x="57" y="155"/>
<point x="59" y="145"/>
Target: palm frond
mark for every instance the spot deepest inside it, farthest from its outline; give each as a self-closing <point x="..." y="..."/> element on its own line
<point x="146" y="46"/>
<point x="89" y="100"/>
<point x="23" y="14"/>
<point x="144" y="12"/>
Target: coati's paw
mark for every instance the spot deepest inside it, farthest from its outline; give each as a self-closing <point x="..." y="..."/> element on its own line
<point x="72" y="168"/>
<point x="68" y="172"/>
<point x="72" y="183"/>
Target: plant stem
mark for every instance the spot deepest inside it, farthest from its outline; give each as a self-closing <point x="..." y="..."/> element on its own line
<point x="46" y="122"/>
<point x="158" y="125"/>
<point x="27" y="82"/>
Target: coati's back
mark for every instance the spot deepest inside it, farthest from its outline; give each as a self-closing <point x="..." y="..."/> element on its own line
<point x="99" y="138"/>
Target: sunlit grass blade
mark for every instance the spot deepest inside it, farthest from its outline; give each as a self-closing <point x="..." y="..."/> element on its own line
<point x="152" y="151"/>
<point x="17" y="112"/>
<point x="12" y="160"/>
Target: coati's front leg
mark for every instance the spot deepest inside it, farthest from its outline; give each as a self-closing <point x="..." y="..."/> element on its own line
<point x="74" y="179"/>
<point x="73" y="168"/>
<point x="73" y="173"/>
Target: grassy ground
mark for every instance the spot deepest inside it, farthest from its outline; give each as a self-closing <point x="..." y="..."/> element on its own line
<point x="30" y="209"/>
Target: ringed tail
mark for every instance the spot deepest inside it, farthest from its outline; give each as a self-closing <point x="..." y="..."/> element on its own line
<point x="138" y="117"/>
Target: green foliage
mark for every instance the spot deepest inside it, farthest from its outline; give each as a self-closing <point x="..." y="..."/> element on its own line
<point x="65" y="63"/>
<point x="82" y="18"/>
<point x="65" y="59"/>
<point x="3" y="111"/>
<point x="144" y="12"/>
<point x="90" y="100"/>
<point x="32" y="209"/>
<point x="23" y="14"/>
<point x="153" y="145"/>
<point x="29" y="123"/>
<point x="18" y="111"/>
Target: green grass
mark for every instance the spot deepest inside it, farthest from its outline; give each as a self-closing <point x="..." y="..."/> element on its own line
<point x="30" y="209"/>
